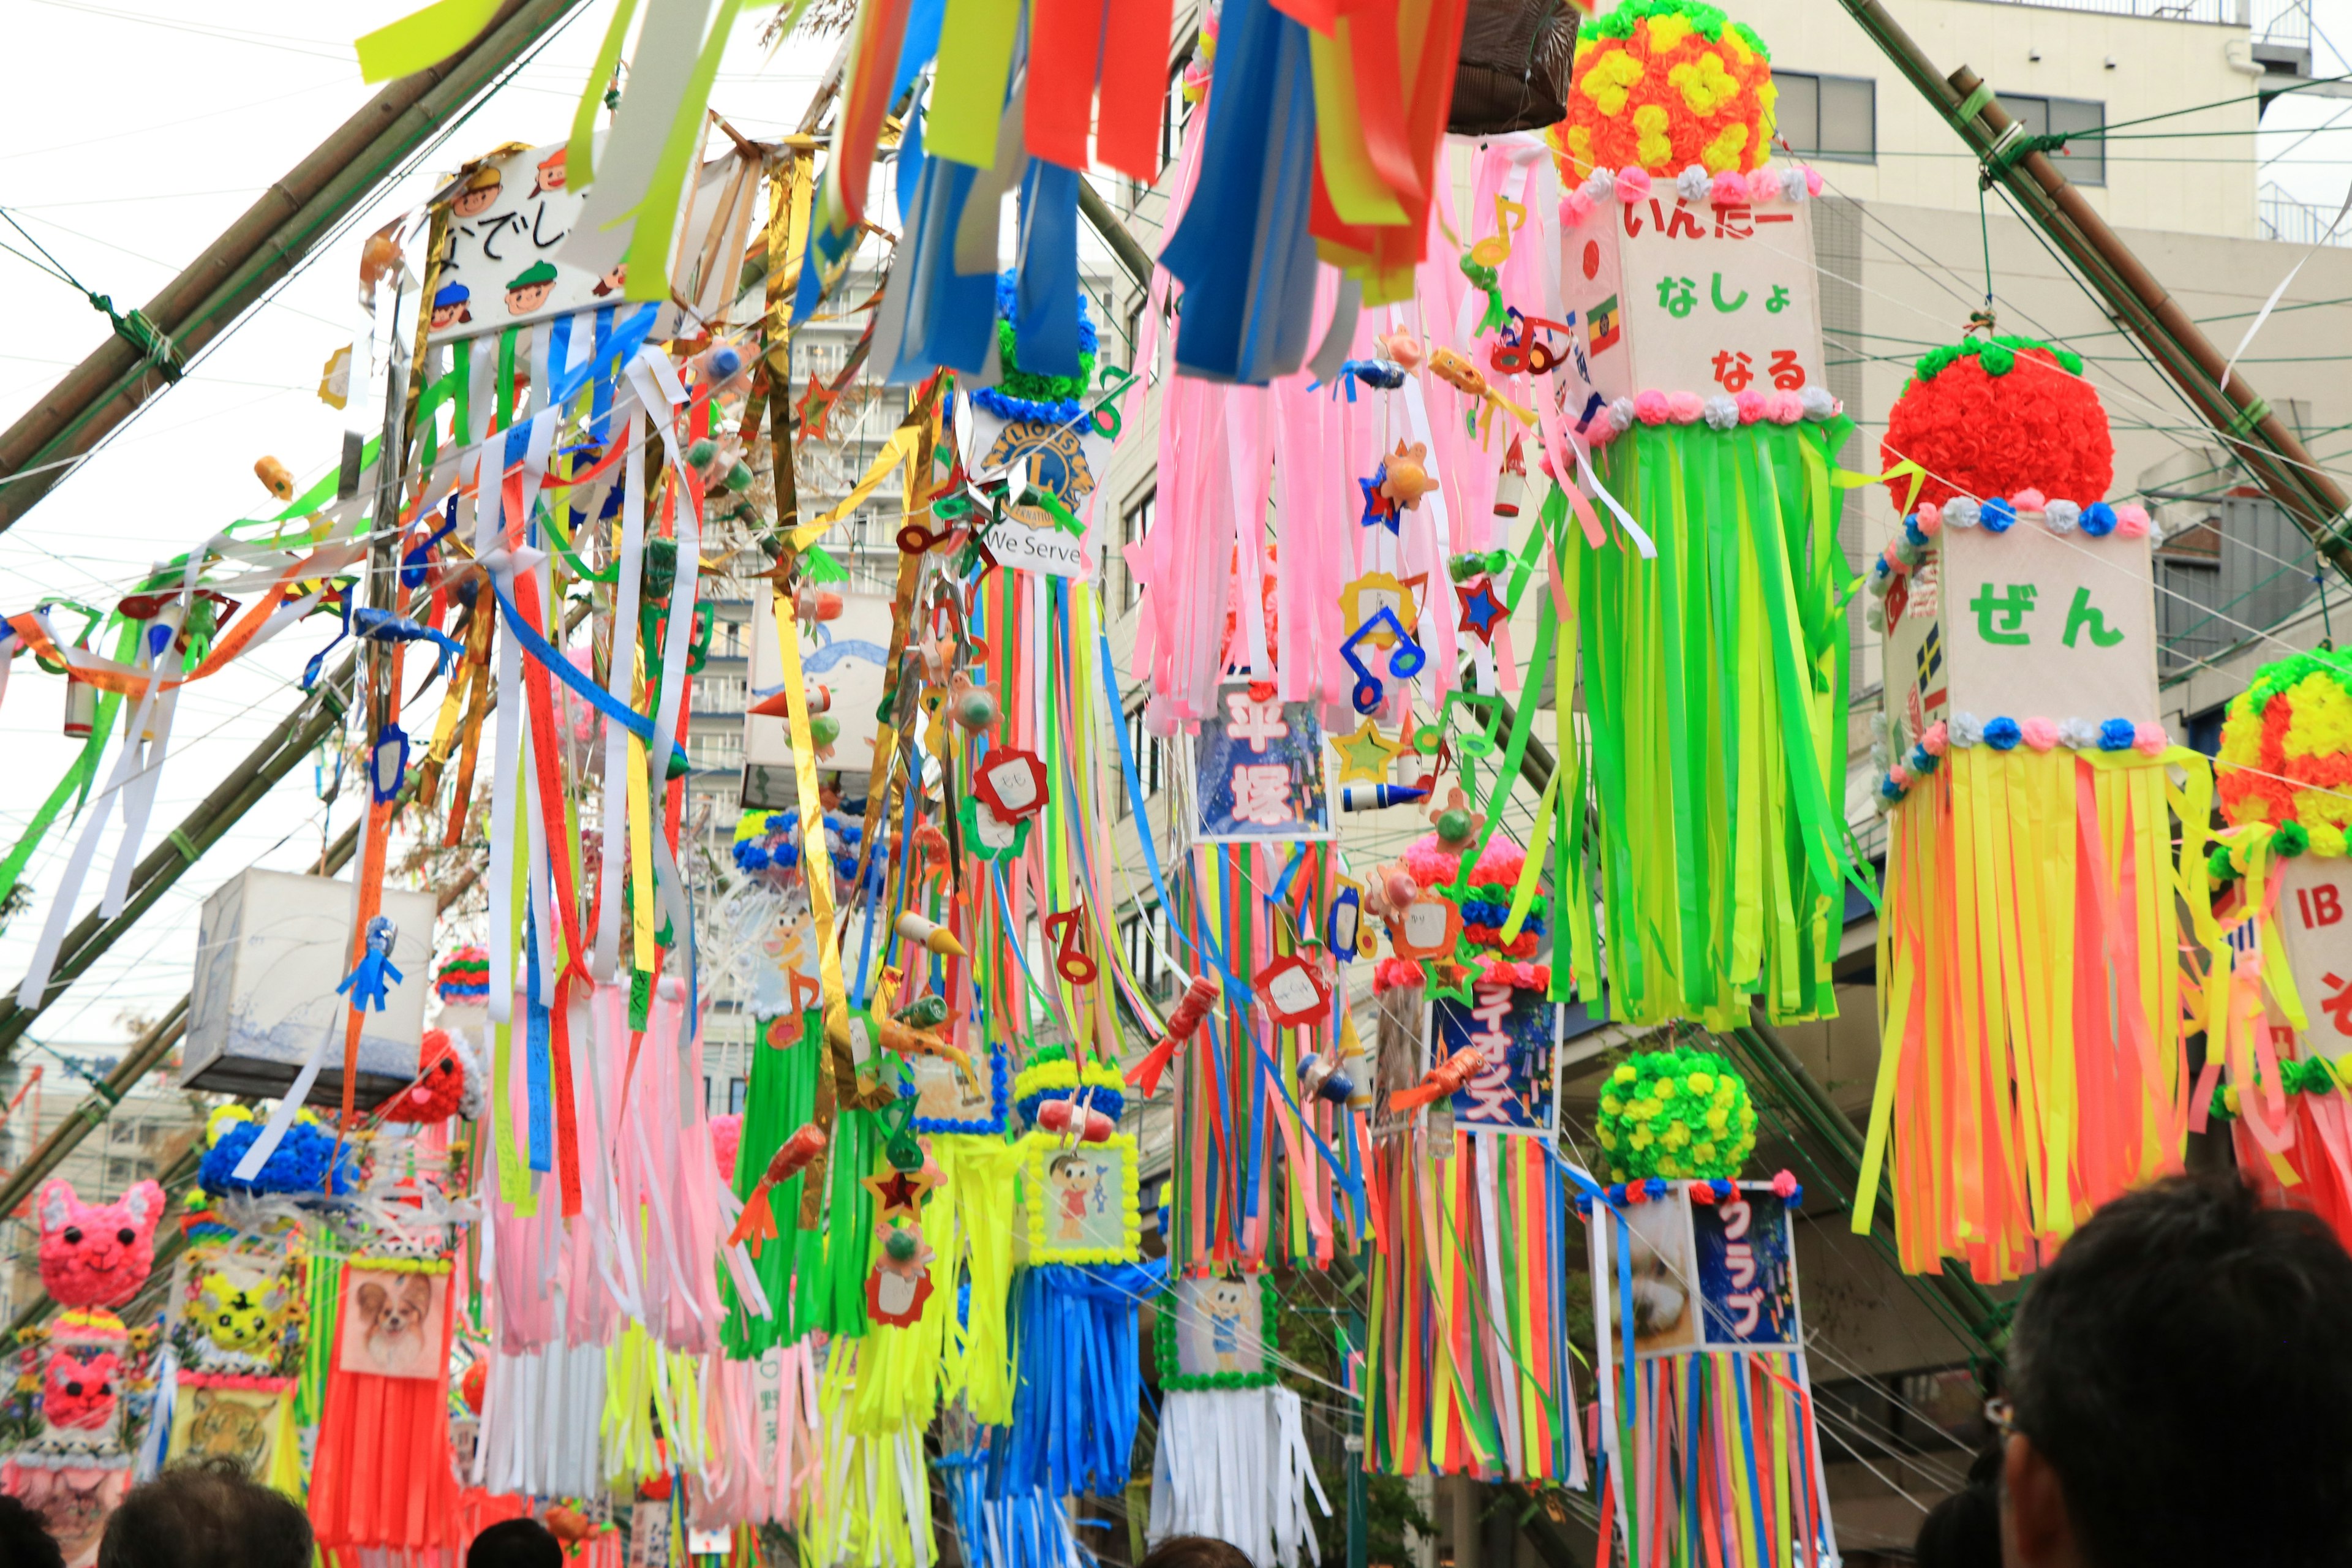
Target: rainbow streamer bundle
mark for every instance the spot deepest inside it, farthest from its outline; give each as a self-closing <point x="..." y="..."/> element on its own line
<point x="1709" y="1451"/>
<point x="2032" y="1002"/>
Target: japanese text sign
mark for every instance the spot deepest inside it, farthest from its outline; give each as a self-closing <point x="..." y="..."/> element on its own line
<point x="1258" y="770"/>
<point x="1673" y="296"/>
<point x="1516" y="1032"/>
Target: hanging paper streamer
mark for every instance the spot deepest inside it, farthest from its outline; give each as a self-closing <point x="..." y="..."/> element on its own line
<point x="2032" y="1002"/>
<point x="1709" y="1451"/>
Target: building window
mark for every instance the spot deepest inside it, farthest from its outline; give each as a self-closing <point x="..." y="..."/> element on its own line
<point x="1827" y="116"/>
<point x="2084" y="162"/>
<point x="1145" y="748"/>
<point x="1133" y="524"/>
<point x="1143" y="935"/>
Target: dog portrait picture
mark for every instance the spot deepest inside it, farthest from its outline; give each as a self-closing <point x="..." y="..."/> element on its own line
<point x="394" y="1323"/>
<point x="1665" y="1308"/>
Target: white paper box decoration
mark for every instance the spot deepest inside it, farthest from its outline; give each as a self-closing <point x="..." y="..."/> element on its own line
<point x="271" y="947"/>
<point x="2022" y="625"/>
<point x="1666" y="295"/>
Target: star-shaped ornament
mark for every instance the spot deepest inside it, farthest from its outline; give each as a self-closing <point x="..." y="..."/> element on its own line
<point x="1365" y="754"/>
<point x="1446" y="979"/>
<point x="1378" y="509"/>
<point x="815" y="407"/>
<point x="1482" y="608"/>
<point x="898" y="1193"/>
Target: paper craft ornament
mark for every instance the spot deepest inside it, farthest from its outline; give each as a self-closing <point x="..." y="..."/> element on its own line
<point x="1664" y="85"/>
<point x="2031" y="992"/>
<point x="2279" y="942"/>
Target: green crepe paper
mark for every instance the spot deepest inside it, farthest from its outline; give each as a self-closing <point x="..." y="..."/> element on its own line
<point x="1998" y="355"/>
<point x="780" y="1100"/>
<point x="1720" y="661"/>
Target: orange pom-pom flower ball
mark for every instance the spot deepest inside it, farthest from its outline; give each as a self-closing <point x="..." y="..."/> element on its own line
<point x="1989" y="418"/>
<point x="1665" y="84"/>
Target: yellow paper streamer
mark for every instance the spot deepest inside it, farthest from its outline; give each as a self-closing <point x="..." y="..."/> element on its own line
<point x="423" y="38"/>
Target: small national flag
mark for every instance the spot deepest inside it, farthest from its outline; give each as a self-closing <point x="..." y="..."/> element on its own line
<point x="1605" y="320"/>
<point x="1931" y="667"/>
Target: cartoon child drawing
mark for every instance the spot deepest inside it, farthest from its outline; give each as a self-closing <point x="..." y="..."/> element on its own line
<point x="1225" y="1307"/>
<point x="612" y="281"/>
<point x="529" y="290"/>
<point x="481" y="194"/>
<point x="551" y="172"/>
<point x="1071" y="1175"/>
<point x="450" y="308"/>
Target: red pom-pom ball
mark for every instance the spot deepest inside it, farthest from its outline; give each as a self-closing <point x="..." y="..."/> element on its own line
<point x="1984" y="434"/>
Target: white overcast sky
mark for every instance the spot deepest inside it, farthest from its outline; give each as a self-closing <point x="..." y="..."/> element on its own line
<point x="129" y="136"/>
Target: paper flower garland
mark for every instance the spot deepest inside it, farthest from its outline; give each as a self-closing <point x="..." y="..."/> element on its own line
<point x="1677" y="1113"/>
<point x="1664" y="85"/>
<point x="1993" y="418"/>
<point x="2286" y="752"/>
<point x="1025" y="395"/>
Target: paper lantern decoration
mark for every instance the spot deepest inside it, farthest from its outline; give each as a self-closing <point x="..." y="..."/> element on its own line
<point x="1664" y="85"/>
<point x="2279" y="993"/>
<point x="2030" y="983"/>
<point x="1231" y="1460"/>
<point x="1714" y="648"/>
<point x="1705" y="1416"/>
<point x="1676" y="1113"/>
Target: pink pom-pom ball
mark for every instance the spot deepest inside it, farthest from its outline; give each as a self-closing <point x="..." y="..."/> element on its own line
<point x="1730" y="188"/>
<point x="1686" y="407"/>
<point x="2131" y="521"/>
<point x="1653" y="407"/>
<point x="1784" y="1185"/>
<point x="1784" y="408"/>
<point x="1900" y="775"/>
<point x="2039" y="733"/>
<point x="726" y="1138"/>
<point x="2029" y="500"/>
<point x="2149" y="739"/>
<point x="1812" y="182"/>
<point x="1930" y="519"/>
<point x="1574" y="208"/>
<point x="1935" y="738"/>
<point x="1633" y="185"/>
<point x="1752" y="403"/>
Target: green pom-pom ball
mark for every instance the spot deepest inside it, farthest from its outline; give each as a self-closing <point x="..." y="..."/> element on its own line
<point x="1681" y="1114"/>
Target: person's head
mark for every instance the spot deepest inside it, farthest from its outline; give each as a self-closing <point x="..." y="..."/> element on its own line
<point x="23" y="1542"/>
<point x="515" y="1543"/>
<point x="1195" y="1551"/>
<point x="2180" y="1389"/>
<point x="1964" y="1530"/>
<point x="205" y="1516"/>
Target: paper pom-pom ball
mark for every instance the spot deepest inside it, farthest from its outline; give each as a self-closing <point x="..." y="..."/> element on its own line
<point x="1677" y="1114"/>
<point x="1994" y="419"/>
<point x="1667" y="85"/>
<point x="726" y="1139"/>
<point x="2286" y="744"/>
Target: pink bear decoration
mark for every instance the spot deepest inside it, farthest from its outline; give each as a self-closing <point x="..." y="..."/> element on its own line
<point x="97" y="1255"/>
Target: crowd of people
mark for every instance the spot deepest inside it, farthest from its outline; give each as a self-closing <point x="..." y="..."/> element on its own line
<point x="2176" y="1394"/>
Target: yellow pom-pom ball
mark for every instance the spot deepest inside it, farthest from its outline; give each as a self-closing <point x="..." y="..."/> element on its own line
<point x="1642" y="1138"/>
<point x="1664" y="1088"/>
<point x="1703" y="1154"/>
<point x="2327" y="840"/>
<point x="1612" y="1106"/>
<point x="1608" y="1136"/>
<point x="1675" y="1136"/>
<point x="1624" y="1074"/>
<point x="222" y="1119"/>
<point x="1700" y="1083"/>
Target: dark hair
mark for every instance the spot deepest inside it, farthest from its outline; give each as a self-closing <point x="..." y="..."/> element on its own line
<point x="1195" y="1551"/>
<point x="515" y="1543"/>
<point x="1964" y="1530"/>
<point x="205" y="1516"/>
<point x="2184" y="1369"/>
<point x="24" y="1543"/>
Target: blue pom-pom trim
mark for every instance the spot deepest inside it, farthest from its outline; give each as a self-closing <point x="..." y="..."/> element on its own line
<point x="2098" y="519"/>
<point x="1110" y="1101"/>
<point x="1998" y="515"/>
<point x="2117" y="735"/>
<point x="1000" y="1082"/>
<point x="1005" y="407"/>
<point x="2002" y="734"/>
<point x="298" y="1166"/>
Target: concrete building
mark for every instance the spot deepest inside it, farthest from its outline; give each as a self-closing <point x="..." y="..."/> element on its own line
<point x="1903" y="245"/>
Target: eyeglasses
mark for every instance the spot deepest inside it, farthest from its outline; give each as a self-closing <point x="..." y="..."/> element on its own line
<point x="2001" y="1416"/>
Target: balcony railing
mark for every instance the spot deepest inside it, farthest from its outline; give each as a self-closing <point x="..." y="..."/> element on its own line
<point x="2221" y="13"/>
<point x="2297" y="223"/>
